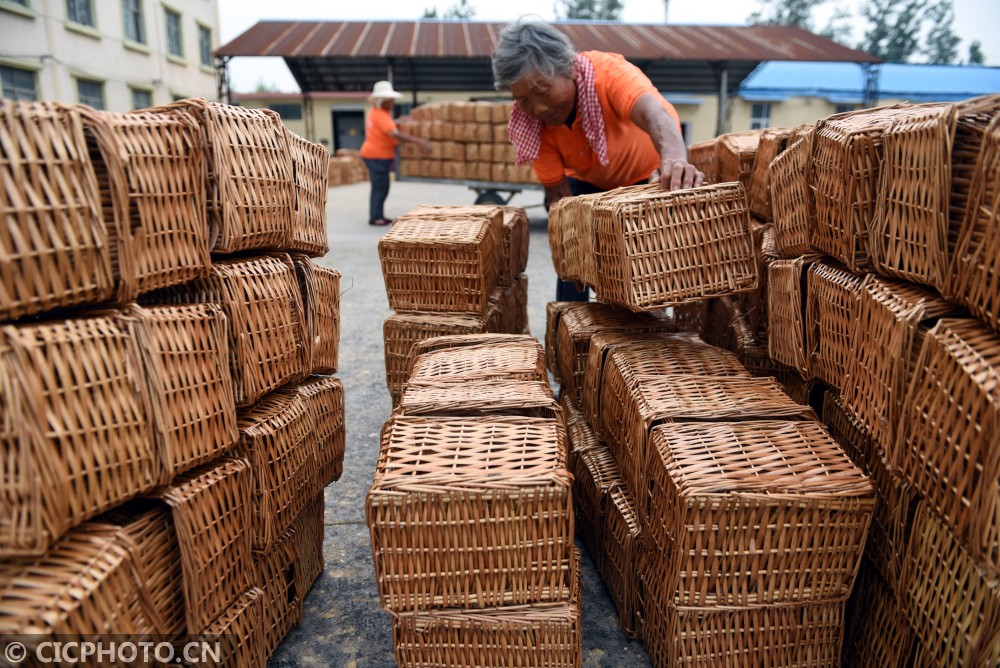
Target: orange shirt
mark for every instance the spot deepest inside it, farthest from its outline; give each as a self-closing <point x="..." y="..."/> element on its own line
<point x="378" y="144"/>
<point x="632" y="157"/>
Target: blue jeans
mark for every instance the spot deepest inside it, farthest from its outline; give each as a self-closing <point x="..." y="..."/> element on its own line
<point x="378" y="174"/>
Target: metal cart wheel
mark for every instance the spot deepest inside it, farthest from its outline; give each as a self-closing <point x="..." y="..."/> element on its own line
<point x="491" y="197"/>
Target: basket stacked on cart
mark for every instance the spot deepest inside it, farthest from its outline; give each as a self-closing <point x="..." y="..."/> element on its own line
<point x="468" y="142"/>
<point x="452" y="270"/>
<point x="165" y="440"/>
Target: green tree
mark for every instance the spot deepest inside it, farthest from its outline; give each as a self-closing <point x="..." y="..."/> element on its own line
<point x="785" y="13"/>
<point x="599" y="10"/>
<point x="894" y="28"/>
<point x="976" y="56"/>
<point x="430" y="13"/>
<point x="263" y="87"/>
<point x="941" y="45"/>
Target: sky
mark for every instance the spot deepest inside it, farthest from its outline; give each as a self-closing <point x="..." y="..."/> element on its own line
<point x="974" y="20"/>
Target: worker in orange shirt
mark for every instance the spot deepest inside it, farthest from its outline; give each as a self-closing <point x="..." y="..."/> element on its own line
<point x="379" y="149"/>
<point x="587" y="122"/>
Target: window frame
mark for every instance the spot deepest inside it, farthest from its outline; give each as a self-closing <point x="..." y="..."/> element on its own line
<point x="15" y="87"/>
<point x="760" y="121"/>
<point x="80" y="98"/>
<point x="90" y="10"/>
<point x="169" y="12"/>
<point x="140" y="25"/>
<point x="204" y="29"/>
<point x="287" y="104"/>
<point x="144" y="91"/>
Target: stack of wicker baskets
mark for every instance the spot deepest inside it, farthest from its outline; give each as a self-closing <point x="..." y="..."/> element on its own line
<point x="164" y="438"/>
<point x="468" y="141"/>
<point x="346" y="167"/>
<point x="452" y="270"/>
<point x="471" y="513"/>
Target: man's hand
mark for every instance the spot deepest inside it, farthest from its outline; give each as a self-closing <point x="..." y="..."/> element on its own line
<point x="676" y="174"/>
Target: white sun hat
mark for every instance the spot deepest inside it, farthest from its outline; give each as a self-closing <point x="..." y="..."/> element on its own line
<point x="382" y="90"/>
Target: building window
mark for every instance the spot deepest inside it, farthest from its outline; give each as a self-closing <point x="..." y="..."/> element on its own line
<point x="18" y="84"/>
<point x="23" y="3"/>
<point x="760" y="115"/>
<point x="141" y="99"/>
<point x="134" y="25"/>
<point x="175" y="45"/>
<point x="90" y="93"/>
<point x="287" y="111"/>
<point x="205" y="46"/>
<point x="80" y="11"/>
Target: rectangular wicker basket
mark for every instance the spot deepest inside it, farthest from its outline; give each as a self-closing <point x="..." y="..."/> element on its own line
<point x="241" y="630"/>
<point x="461" y="340"/>
<point x="753" y="303"/>
<point x="275" y="573"/>
<point x="947" y="437"/>
<point x="323" y="397"/>
<point x="441" y="265"/>
<point x="512" y="303"/>
<point x="773" y="142"/>
<point x="657" y="248"/>
<point x="788" y="339"/>
<point x="310" y="177"/>
<point x="791" y="195"/>
<point x="622" y="543"/>
<point x="309" y="531"/>
<point x="553" y="312"/>
<point x="488" y="502"/>
<point x="75" y="434"/>
<point x="320" y="290"/>
<point x="471" y="398"/>
<point x="515" y="360"/>
<point x="702" y="156"/>
<point x="595" y="475"/>
<point x="730" y="505"/>
<point x="832" y="293"/>
<point x="734" y="155"/>
<point x="876" y="632"/>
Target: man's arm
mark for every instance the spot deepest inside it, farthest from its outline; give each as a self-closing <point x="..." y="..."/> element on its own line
<point x="399" y="135"/>
<point x="555" y="193"/>
<point x="675" y="171"/>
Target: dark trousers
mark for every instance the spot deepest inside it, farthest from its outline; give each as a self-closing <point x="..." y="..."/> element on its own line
<point x="566" y="291"/>
<point x="378" y="174"/>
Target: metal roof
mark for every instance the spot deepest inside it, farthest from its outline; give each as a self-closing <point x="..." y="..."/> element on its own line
<point x="455" y="55"/>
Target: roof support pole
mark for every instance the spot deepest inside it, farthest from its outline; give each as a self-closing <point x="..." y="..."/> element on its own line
<point x="222" y="78"/>
<point x="720" y="123"/>
<point x="871" y="72"/>
<point x="307" y="110"/>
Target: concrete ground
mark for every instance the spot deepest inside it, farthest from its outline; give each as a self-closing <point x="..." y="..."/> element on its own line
<point x="343" y="625"/>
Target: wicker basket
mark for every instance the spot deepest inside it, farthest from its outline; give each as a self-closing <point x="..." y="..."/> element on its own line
<point x="275" y="573"/>
<point x="791" y="196"/>
<point x="402" y="330"/>
<point x="974" y="117"/>
<point x="488" y="502"/>
<point x="691" y="316"/>
<point x="310" y="176"/>
<point x="162" y="159"/>
<point x="947" y="437"/>
<point x="773" y="142"/>
<point x="473" y="398"/>
<point x="891" y="318"/>
<point x="89" y="583"/>
<point x="753" y="304"/>
<point x="320" y="289"/>
<point x="441" y="265"/>
<point x="730" y="506"/>
<point x="831" y="295"/>
<point x="278" y="437"/>
<point x="895" y="499"/>
<point x="661" y="248"/>
<point x="185" y="353"/>
<point x="150" y="526"/>
<point x="56" y="248"/>
<point x="251" y="194"/>
<point x="309" y="529"/>
<point x="75" y="438"/>
<point x="512" y="361"/>
<point x="952" y="602"/>
<point x="240" y="631"/>
<point x="571" y="235"/>
<point x="702" y="156"/>
<point x="512" y="303"/>
<point x="734" y="155"/>
<point x="578" y="324"/>
<point x="595" y="475"/>
<point x="462" y="340"/>
<point x="553" y="312"/>
<point x="622" y="543"/>
<point x="787" y="335"/>
<point x="630" y="409"/>
<point x="876" y="633"/>
<point x="726" y="326"/>
<point x="261" y="299"/>
<point x="976" y="261"/>
<point x="323" y="397"/>
<point x="847" y="161"/>
<point x="211" y="511"/>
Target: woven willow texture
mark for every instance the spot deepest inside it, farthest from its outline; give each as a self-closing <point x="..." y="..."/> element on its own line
<point x="402" y="330"/>
<point x="75" y="435"/>
<point x="241" y="631"/>
<point x="753" y="303"/>
<point x="571" y="236"/>
<point x="472" y="398"/>
<point x="702" y="156"/>
<point x="948" y="428"/>
<point x="892" y="318"/>
<point x="773" y="142"/>
<point x="261" y="299"/>
<point x="251" y="193"/>
<point x="595" y="475"/>
<point x="974" y="117"/>
<point x="488" y="502"/>
<point x="185" y="354"/>
<point x="88" y="583"/>
<point x="461" y="340"/>
<point x="512" y="303"/>
<point x="310" y="174"/>
<point x="975" y="268"/>
<point x="657" y="248"/>
<point x="275" y="575"/>
<point x="323" y="397"/>
<point x="212" y="514"/>
<point x="791" y="196"/>
<point x="278" y="438"/>
<point x="553" y="312"/>
<point x="895" y="501"/>
<point x="831" y="295"/>
<point x="730" y="506"/>
<point x="54" y="245"/>
<point x="320" y="290"/>
<point x="441" y="265"/>
<point x="622" y="544"/>
<point x="876" y="632"/>
<point x="787" y="335"/>
<point x="512" y="361"/>
<point x="691" y="316"/>
<point x="952" y="602"/>
<point x="847" y="161"/>
<point x="577" y="324"/>
<point x="734" y="155"/>
<point x="309" y="529"/>
<point x="162" y="201"/>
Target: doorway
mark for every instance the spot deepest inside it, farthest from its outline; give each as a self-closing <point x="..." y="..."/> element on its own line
<point x="348" y="129"/>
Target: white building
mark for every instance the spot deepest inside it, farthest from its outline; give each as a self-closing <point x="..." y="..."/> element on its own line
<point x="109" y="54"/>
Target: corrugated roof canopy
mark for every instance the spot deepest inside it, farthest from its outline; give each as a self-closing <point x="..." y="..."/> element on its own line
<point x="455" y="55"/>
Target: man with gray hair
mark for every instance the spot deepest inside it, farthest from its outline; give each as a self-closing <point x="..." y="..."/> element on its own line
<point x="587" y="122"/>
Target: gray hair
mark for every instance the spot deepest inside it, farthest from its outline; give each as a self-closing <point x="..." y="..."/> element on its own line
<point x="529" y="46"/>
